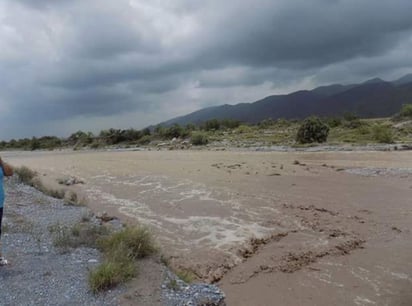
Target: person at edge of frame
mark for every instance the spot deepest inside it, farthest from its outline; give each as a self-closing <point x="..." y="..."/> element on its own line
<point x="5" y="170"/>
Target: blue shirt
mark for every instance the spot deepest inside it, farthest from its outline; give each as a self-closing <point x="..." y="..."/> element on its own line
<point x="1" y="187"/>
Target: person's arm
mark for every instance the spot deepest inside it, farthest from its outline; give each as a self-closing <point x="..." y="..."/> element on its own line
<point x="7" y="169"/>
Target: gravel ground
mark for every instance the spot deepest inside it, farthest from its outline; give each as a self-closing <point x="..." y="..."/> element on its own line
<point x="41" y="274"/>
<point x="175" y="292"/>
<point x="38" y="273"/>
<point x="390" y="172"/>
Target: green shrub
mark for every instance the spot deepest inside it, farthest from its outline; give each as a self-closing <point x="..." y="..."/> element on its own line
<point x="175" y="131"/>
<point x="71" y="198"/>
<point x="81" y="234"/>
<point x="186" y="275"/>
<point x="352" y="124"/>
<point x="145" y="140"/>
<point x="25" y="175"/>
<point x="212" y="125"/>
<point x="137" y="240"/>
<point x="363" y="129"/>
<point x="173" y="285"/>
<point x="406" y="110"/>
<point x="199" y="139"/>
<point x="382" y="134"/>
<point x="109" y="274"/>
<point x="230" y="123"/>
<point x="333" y="121"/>
<point x="95" y="145"/>
<point x="349" y="116"/>
<point x="242" y="129"/>
<point x="266" y="123"/>
<point x="121" y="249"/>
<point x="312" y="130"/>
<point x="54" y="193"/>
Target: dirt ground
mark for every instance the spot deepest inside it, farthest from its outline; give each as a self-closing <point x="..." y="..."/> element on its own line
<point x="270" y="228"/>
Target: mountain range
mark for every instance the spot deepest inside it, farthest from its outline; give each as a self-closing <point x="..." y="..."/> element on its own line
<point x="371" y="99"/>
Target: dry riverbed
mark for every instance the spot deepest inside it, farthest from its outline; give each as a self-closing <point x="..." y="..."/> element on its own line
<point x="287" y="228"/>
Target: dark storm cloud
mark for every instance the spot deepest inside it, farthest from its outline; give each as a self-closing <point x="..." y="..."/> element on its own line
<point x="308" y="33"/>
<point x="99" y="59"/>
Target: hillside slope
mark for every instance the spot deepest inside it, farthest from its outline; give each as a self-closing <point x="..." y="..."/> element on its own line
<point x="371" y="99"/>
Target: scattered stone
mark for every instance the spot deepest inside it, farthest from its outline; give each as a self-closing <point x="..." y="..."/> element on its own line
<point x="104" y="216"/>
<point x="183" y="294"/>
<point x="389" y="172"/>
<point x="69" y="181"/>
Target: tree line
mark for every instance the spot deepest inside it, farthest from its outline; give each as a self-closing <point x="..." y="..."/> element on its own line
<point x="312" y="129"/>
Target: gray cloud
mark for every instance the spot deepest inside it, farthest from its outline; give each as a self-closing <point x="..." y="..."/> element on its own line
<point x="88" y="63"/>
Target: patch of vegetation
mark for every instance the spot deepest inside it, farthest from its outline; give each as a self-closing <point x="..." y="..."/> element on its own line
<point x="86" y="215"/>
<point x="352" y="124"/>
<point x="145" y="140"/>
<point x="312" y="130"/>
<point x="54" y="193"/>
<point x="333" y="122"/>
<point x="80" y="234"/>
<point x="109" y="274"/>
<point x="138" y="241"/>
<point x="348" y="128"/>
<point x="199" y="139"/>
<point x="17" y="223"/>
<point x="165" y="260"/>
<point x="30" y="177"/>
<point x="243" y="129"/>
<point x="25" y="175"/>
<point x="186" y="275"/>
<point x="71" y="198"/>
<point x="361" y="135"/>
<point x="382" y="134"/>
<point x="121" y="250"/>
<point x="406" y="111"/>
<point x="173" y="285"/>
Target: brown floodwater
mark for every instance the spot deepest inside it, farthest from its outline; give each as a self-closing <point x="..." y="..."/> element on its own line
<point x="271" y="228"/>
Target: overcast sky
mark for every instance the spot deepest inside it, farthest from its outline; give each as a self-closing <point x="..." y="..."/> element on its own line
<point x="67" y="65"/>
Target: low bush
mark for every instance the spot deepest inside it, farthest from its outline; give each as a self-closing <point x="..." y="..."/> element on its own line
<point x="382" y="134"/>
<point x="121" y="249"/>
<point x="81" y="234"/>
<point x="312" y="130"/>
<point x="25" y="175"/>
<point x="29" y="177"/>
<point x="186" y="276"/>
<point x="199" y="139"/>
<point x="71" y="198"/>
<point x="138" y="241"/>
<point x="109" y="274"/>
<point x="406" y="111"/>
<point x="353" y="124"/>
<point x="242" y="129"/>
<point x="145" y="140"/>
<point x="333" y="121"/>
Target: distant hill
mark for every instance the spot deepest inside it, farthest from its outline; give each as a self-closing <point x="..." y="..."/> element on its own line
<point x="371" y="99"/>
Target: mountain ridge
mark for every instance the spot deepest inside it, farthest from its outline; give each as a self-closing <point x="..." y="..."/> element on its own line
<point x="371" y="99"/>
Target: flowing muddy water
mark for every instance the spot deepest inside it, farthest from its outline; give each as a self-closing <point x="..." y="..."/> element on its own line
<point x="317" y="228"/>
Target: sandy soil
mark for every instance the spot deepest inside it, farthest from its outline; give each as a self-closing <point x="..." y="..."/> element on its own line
<point x="270" y="228"/>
